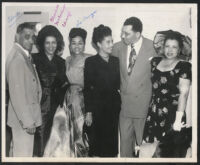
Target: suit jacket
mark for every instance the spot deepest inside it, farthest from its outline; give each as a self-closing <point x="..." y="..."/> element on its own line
<point x="24" y="90"/>
<point x="135" y="89"/>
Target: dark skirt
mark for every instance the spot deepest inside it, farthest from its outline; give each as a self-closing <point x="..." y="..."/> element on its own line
<point x="104" y="131"/>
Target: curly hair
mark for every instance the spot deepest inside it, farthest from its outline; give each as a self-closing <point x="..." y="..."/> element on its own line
<point x="135" y="22"/>
<point x="174" y="35"/>
<point x="74" y="32"/>
<point x="99" y="33"/>
<point x="46" y="31"/>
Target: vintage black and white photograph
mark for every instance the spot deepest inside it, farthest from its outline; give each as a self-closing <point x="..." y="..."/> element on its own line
<point x="103" y="82"/>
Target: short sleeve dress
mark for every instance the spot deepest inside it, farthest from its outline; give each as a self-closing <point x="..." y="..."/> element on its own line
<point x="164" y="102"/>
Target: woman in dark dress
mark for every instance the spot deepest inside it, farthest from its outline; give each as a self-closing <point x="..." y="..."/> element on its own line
<point x="51" y="72"/>
<point x="101" y="94"/>
<point x="166" y="120"/>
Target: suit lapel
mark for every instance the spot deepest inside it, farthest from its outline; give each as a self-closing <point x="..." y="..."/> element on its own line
<point x="28" y="62"/>
<point x="124" y="60"/>
<point x="139" y="61"/>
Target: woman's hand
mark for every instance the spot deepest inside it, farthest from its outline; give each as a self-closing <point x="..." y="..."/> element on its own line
<point x="88" y="119"/>
<point x="178" y="125"/>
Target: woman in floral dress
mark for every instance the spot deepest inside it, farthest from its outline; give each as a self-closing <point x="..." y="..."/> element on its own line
<point x="171" y="78"/>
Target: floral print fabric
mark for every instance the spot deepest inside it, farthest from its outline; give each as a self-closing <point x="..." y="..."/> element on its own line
<point x="164" y="102"/>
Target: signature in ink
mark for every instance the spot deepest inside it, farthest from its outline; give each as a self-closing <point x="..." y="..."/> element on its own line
<point x="68" y="15"/>
<point x="54" y="15"/>
<point x="59" y="17"/>
<point x="52" y="19"/>
<point x="79" y="22"/>
<point x="12" y="19"/>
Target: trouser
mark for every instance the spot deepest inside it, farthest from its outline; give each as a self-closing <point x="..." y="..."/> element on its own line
<point x="8" y="139"/>
<point x="22" y="143"/>
<point x="131" y="132"/>
<point x="42" y="135"/>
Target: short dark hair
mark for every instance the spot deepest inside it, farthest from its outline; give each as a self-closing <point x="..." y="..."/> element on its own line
<point x="135" y="22"/>
<point x="173" y="35"/>
<point x="99" y="33"/>
<point x="74" y="32"/>
<point x="23" y="26"/>
<point x="50" y="30"/>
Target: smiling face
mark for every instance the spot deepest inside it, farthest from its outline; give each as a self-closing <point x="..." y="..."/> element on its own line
<point x="50" y="45"/>
<point x="77" y="45"/>
<point x="171" y="48"/>
<point x="128" y="36"/>
<point x="26" y="39"/>
<point x="106" y="45"/>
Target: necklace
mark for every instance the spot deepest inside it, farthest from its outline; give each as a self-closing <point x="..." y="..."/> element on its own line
<point x="166" y="65"/>
<point x="169" y="63"/>
<point x="106" y="58"/>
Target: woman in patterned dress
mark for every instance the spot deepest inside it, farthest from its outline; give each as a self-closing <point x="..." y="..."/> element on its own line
<point x="171" y="79"/>
<point x="67" y="132"/>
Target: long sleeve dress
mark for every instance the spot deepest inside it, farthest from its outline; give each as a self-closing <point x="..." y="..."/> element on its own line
<point x="102" y="98"/>
<point x="52" y="76"/>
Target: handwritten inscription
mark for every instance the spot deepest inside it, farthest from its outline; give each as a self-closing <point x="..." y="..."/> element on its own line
<point x="79" y="22"/>
<point x="54" y="15"/>
<point x="68" y="15"/>
<point x="12" y="19"/>
<point x="57" y="18"/>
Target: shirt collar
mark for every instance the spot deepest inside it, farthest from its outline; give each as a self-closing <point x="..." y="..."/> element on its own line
<point x="24" y="50"/>
<point x="138" y="44"/>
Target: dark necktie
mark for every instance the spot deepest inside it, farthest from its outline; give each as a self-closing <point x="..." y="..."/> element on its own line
<point x="32" y="64"/>
<point x="31" y="59"/>
<point x="132" y="59"/>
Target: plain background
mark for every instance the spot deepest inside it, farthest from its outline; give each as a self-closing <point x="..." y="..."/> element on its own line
<point x="155" y="17"/>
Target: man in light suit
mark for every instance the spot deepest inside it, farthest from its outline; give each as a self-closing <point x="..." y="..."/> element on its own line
<point x="24" y="113"/>
<point x="133" y="52"/>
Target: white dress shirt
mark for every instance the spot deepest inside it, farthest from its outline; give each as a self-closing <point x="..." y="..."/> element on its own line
<point x="137" y="47"/>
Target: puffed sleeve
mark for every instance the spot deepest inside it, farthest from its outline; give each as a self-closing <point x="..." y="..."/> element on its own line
<point x="186" y="70"/>
<point x="155" y="61"/>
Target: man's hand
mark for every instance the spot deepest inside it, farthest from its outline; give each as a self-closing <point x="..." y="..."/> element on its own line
<point x="31" y="130"/>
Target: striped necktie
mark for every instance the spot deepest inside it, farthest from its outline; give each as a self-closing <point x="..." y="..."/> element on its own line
<point x="132" y="59"/>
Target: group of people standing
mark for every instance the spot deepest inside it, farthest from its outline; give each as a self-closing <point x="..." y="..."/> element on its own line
<point x="75" y="107"/>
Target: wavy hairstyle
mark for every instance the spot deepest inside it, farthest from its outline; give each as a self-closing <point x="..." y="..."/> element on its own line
<point x="173" y="35"/>
<point x="74" y="32"/>
<point x="99" y="33"/>
<point x="46" y="31"/>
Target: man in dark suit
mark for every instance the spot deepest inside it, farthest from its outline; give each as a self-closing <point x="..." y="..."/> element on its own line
<point x="24" y="113"/>
<point x="133" y="52"/>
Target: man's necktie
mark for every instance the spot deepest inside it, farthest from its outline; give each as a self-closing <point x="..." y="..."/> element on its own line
<point x="132" y="59"/>
<point x="31" y="59"/>
<point x="32" y="64"/>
